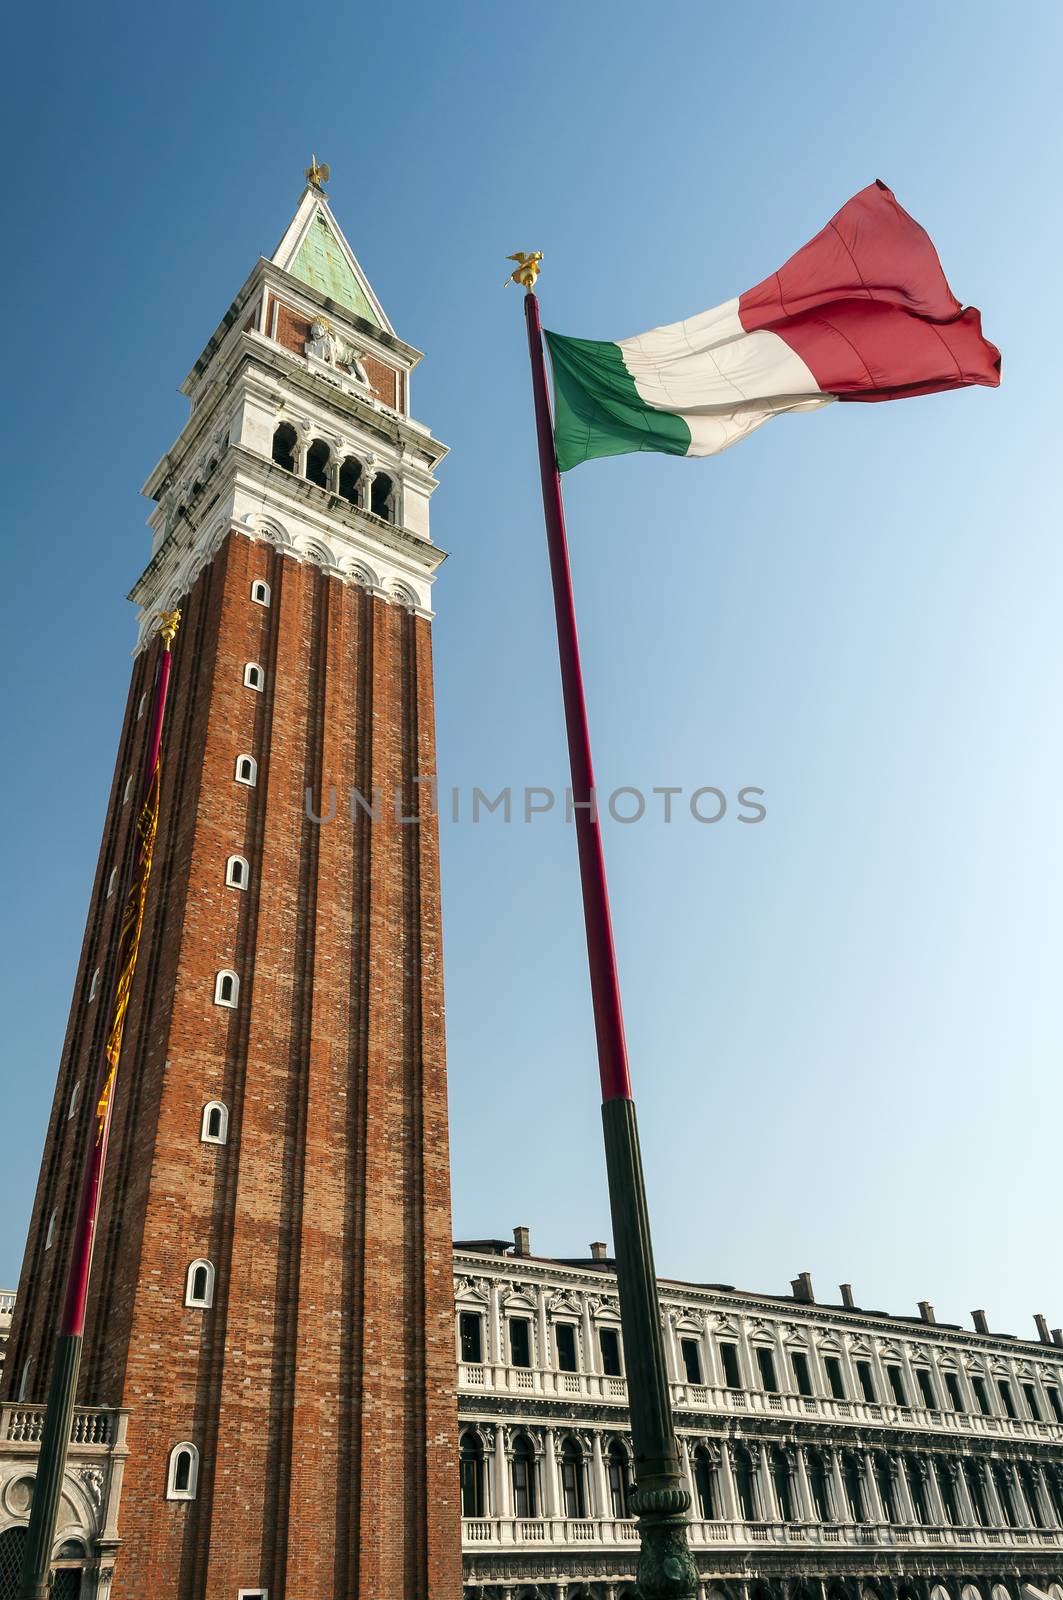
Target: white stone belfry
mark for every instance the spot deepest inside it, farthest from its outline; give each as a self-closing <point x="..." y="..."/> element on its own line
<point x="300" y="432"/>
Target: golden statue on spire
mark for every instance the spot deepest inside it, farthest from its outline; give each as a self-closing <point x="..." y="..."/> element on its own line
<point x="317" y="175"/>
<point x="527" y="268"/>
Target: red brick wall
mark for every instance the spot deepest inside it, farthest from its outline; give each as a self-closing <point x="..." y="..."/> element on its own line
<point x="319" y="1387"/>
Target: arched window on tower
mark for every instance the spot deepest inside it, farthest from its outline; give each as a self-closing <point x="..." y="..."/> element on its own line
<point x="573" y="1479"/>
<point x="214" y="1128"/>
<point x="317" y="459"/>
<point x="227" y="989"/>
<point x="254" y="678"/>
<point x="705" y="1483"/>
<point x="472" y="1474"/>
<point x="284" y="442"/>
<point x="382" y="497"/>
<point x="237" y="872"/>
<point x="247" y="771"/>
<point x="183" y="1473"/>
<point x="745" y="1486"/>
<point x="351" y="481"/>
<point x="199" y="1285"/>
<point x="525" y="1500"/>
<point x="780" y="1478"/>
<point x="260" y="592"/>
<point x="619" y="1475"/>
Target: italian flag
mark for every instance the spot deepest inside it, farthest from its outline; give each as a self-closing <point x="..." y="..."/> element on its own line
<point x="862" y="312"/>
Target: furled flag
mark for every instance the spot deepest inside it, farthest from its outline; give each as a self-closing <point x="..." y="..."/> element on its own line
<point x="862" y="312"/>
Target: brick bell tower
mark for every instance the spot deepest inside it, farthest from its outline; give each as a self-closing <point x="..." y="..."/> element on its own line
<point x="271" y="1292"/>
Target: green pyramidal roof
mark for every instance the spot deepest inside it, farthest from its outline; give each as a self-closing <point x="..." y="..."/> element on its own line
<point x="321" y="263"/>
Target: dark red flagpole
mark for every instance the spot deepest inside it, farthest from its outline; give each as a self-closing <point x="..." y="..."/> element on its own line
<point x="55" y="1440"/>
<point x="666" y="1568"/>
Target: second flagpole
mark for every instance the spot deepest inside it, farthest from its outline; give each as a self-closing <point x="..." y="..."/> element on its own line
<point x="666" y="1568"/>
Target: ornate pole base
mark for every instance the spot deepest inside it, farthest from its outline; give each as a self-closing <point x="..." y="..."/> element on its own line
<point x="666" y="1570"/>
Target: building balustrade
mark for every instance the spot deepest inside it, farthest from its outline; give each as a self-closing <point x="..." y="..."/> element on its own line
<point x="21" y="1424"/>
<point x="705" y="1397"/>
<point x="499" y="1532"/>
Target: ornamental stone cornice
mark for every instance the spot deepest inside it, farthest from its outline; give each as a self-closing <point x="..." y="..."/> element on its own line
<point x="837" y="1320"/>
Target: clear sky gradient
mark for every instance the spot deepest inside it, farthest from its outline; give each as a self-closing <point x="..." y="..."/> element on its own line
<point x="844" y="1022"/>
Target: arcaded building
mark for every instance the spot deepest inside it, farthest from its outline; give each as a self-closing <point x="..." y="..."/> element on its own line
<point x="831" y="1452"/>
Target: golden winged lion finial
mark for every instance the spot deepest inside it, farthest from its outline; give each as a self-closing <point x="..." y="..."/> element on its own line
<point x="317" y="175"/>
<point x="168" y="623"/>
<point x="527" y="269"/>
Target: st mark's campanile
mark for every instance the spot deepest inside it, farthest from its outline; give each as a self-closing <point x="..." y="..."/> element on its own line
<point x="271" y="1290"/>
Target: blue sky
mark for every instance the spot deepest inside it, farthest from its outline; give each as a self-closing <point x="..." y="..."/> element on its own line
<point x="844" y="1023"/>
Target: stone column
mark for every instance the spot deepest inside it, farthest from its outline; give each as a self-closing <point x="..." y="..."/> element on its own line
<point x="933" y="1493"/>
<point x="543" y="1329"/>
<point x="902" y="1489"/>
<point x="804" y="1487"/>
<point x="603" y="1505"/>
<point x="688" y="1474"/>
<point x="676" y="1373"/>
<point x="366" y="484"/>
<point x="494" y="1327"/>
<point x="1051" y="1519"/>
<point x="769" y="1510"/>
<point x="591" y="1360"/>
<point x="503" y="1488"/>
<point x="1018" y="1497"/>
<point x="550" y="1483"/>
<point x="302" y="445"/>
<point x="332" y="471"/>
<point x="852" y="1382"/>
<point x="728" y="1492"/>
<point x="841" y="1503"/>
<point x="876" y="1512"/>
<point x="992" y="1494"/>
<point x="962" y="1493"/>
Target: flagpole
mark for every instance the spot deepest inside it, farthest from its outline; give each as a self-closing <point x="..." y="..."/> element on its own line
<point x="666" y="1569"/>
<point x="55" y="1440"/>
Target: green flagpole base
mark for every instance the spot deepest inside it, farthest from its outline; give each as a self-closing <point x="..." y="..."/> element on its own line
<point x="36" y="1581"/>
<point x="666" y="1570"/>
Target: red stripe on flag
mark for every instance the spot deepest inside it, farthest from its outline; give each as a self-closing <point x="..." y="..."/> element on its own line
<point x="868" y="309"/>
<point x="863" y="350"/>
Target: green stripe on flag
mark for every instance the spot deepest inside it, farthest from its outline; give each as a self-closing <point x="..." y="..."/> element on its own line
<point x="597" y="409"/>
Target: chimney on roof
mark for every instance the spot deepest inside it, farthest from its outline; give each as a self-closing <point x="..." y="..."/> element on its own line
<point x="521" y="1242"/>
<point x="847" y="1295"/>
<point x="802" y="1288"/>
<point x="981" y="1325"/>
<point x="599" y="1250"/>
<point x="1057" y="1335"/>
<point x="926" y="1311"/>
<point x="1042" y="1328"/>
